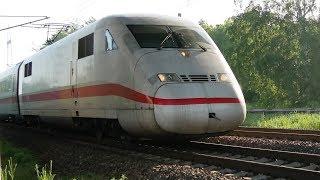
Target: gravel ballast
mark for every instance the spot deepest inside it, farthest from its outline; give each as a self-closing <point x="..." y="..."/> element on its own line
<point x="72" y="160"/>
<point x="276" y="144"/>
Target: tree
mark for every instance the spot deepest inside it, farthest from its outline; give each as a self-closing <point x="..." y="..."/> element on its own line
<point x="273" y="48"/>
<point x="66" y="30"/>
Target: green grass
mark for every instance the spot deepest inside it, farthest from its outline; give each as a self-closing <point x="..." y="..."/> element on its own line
<point x="284" y="121"/>
<point x="20" y="156"/>
<point x="27" y="167"/>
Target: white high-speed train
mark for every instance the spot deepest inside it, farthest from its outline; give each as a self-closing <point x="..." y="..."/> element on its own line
<point x="150" y="76"/>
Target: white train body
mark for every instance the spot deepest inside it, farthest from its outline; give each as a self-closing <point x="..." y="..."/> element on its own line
<point x="109" y="70"/>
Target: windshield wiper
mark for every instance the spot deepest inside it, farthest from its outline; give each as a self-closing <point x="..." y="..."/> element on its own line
<point x="164" y="40"/>
<point x="202" y="47"/>
<point x="180" y="35"/>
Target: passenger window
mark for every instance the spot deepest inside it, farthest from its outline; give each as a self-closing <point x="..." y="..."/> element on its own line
<point x="110" y="44"/>
<point x="85" y="46"/>
<point x="28" y="69"/>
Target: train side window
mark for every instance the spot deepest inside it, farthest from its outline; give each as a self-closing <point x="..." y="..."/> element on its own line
<point x="28" y="69"/>
<point x="85" y="46"/>
<point x="110" y="43"/>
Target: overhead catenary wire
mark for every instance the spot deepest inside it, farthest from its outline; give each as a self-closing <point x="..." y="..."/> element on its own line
<point x="10" y="16"/>
<point x="51" y="24"/>
<point x="36" y="24"/>
<point x="30" y="22"/>
<point x="47" y="25"/>
<point x="41" y="27"/>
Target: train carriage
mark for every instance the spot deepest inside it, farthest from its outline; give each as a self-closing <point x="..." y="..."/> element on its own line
<point x="9" y="108"/>
<point x="148" y="75"/>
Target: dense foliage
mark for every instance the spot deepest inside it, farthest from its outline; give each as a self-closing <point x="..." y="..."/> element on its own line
<point x="274" y="50"/>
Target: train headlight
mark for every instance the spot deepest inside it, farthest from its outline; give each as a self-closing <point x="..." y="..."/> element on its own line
<point x="168" y="77"/>
<point x="224" y="77"/>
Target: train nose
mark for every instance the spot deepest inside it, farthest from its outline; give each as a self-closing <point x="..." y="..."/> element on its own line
<point x="197" y="108"/>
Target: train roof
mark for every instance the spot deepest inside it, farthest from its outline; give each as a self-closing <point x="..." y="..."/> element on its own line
<point x="140" y="19"/>
<point x="145" y="19"/>
<point x="120" y="19"/>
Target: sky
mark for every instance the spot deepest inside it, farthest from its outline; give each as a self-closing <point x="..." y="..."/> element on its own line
<point x="25" y="41"/>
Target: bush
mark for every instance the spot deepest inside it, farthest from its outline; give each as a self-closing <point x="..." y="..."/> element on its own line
<point x="10" y="169"/>
<point x="45" y="174"/>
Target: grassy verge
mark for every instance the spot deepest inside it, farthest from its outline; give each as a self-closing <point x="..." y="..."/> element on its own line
<point x="27" y="168"/>
<point x="22" y="157"/>
<point x="285" y="121"/>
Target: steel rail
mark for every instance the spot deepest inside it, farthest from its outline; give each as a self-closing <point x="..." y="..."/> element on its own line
<point x="248" y="151"/>
<point x="301" y="135"/>
<point x="191" y="155"/>
<point x="258" y="152"/>
<point x="229" y="162"/>
<point x="297" y="131"/>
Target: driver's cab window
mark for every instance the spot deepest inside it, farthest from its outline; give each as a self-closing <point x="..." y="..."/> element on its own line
<point x="110" y="44"/>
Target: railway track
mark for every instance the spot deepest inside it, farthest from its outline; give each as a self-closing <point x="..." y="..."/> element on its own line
<point x="290" y="134"/>
<point x="273" y="163"/>
<point x="269" y="162"/>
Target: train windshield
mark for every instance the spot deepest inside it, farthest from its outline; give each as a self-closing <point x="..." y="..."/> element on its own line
<point x="161" y="36"/>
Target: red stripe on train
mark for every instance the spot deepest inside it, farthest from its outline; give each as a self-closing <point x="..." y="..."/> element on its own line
<point x="121" y="91"/>
<point x="189" y="101"/>
<point x="8" y="100"/>
<point x="53" y="95"/>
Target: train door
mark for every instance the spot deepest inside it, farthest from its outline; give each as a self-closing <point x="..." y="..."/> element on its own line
<point x="73" y="80"/>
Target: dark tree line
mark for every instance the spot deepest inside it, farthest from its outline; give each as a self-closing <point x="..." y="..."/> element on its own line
<point x="273" y="48"/>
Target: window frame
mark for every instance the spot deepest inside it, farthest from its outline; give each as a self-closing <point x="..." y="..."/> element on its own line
<point x="85" y="46"/>
<point x="107" y="43"/>
<point x="28" y="69"/>
<point x="174" y="37"/>
<point x="139" y="42"/>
